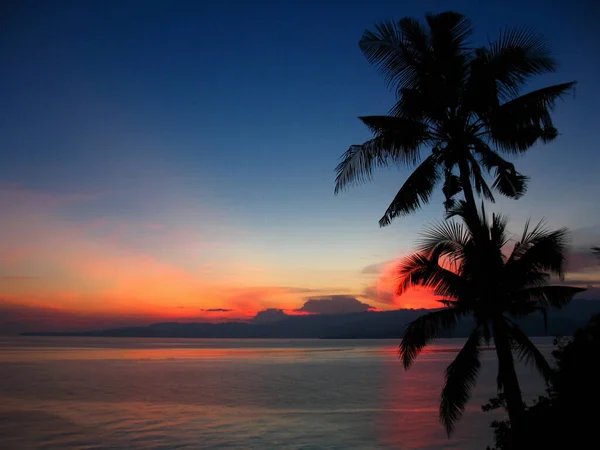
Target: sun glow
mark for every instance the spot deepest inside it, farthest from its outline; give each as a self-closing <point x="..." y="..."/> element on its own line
<point x="416" y="298"/>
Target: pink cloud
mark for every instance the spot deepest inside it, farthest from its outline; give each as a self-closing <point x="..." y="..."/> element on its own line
<point x="170" y="265"/>
<point x="106" y="265"/>
<point x="384" y="289"/>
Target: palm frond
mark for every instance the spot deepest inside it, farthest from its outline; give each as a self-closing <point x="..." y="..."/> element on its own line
<point x="400" y="137"/>
<point x="386" y="48"/>
<point x="517" y="124"/>
<point x="525" y="279"/>
<point x="480" y="94"/>
<point x="445" y="238"/>
<point x="474" y="224"/>
<point x="450" y="32"/>
<point x="461" y="376"/>
<point x="534" y="107"/>
<point x="498" y="232"/>
<point x="488" y="157"/>
<point x="414" y="35"/>
<point x="520" y="304"/>
<point x="397" y="140"/>
<point x="509" y="182"/>
<point x="448" y="303"/>
<point x="357" y="165"/>
<point x="411" y="271"/>
<point x="423" y="330"/>
<point x="530" y="236"/>
<point x="415" y="191"/>
<point x="539" y="250"/>
<point x="412" y="103"/>
<point x="516" y="56"/>
<point x="480" y="184"/>
<point x="459" y="210"/>
<point x="419" y="270"/>
<point x="555" y="296"/>
<point x="526" y="351"/>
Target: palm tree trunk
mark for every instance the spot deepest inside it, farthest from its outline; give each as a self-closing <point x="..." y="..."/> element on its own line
<point x="472" y="217"/>
<point x="510" y="383"/>
<point x="465" y="181"/>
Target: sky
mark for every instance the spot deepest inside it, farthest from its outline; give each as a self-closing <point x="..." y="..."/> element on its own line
<point x="175" y="160"/>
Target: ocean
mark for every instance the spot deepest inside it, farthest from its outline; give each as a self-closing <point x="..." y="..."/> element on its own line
<point x="128" y="393"/>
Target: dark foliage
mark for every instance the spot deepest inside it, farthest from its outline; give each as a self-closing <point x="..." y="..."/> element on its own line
<point x="567" y="416"/>
<point x="478" y="279"/>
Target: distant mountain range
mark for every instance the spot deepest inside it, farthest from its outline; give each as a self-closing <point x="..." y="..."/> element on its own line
<point x="364" y="325"/>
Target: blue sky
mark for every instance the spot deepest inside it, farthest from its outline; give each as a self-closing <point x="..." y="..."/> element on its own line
<point x="226" y="120"/>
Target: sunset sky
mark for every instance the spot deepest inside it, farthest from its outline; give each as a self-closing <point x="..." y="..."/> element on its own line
<point x="175" y="160"/>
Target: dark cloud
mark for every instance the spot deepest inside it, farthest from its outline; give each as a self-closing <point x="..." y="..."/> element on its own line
<point x="334" y="304"/>
<point x="269" y="315"/>
<point x="217" y="310"/>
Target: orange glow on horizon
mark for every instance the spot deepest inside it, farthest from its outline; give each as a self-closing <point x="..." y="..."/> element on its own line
<point x="416" y="298"/>
<point x="58" y="269"/>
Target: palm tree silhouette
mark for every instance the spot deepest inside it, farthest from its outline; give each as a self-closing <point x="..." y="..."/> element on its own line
<point x="463" y="103"/>
<point x="481" y="279"/>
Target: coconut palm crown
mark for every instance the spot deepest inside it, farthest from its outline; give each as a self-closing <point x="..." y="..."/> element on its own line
<point x="482" y="279"/>
<point x="463" y="104"/>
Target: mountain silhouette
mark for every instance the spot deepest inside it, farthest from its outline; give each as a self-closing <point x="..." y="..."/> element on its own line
<point x="363" y="325"/>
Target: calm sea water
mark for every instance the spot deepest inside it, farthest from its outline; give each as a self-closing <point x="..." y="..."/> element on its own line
<point x="122" y="393"/>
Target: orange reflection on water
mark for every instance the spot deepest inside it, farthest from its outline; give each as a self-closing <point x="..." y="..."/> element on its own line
<point x="410" y="410"/>
<point x="25" y="354"/>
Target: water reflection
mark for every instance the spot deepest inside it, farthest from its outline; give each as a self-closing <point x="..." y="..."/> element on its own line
<point x="186" y="394"/>
<point x="410" y="414"/>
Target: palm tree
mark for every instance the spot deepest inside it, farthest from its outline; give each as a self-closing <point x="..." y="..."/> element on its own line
<point x="463" y="103"/>
<point x="482" y="279"/>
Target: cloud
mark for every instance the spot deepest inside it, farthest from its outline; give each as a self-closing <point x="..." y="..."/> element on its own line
<point x="377" y="294"/>
<point x="334" y="304"/>
<point x="582" y="259"/>
<point x="377" y="268"/>
<point x="129" y="265"/>
<point x="269" y="316"/>
<point x="383" y="291"/>
<point x="95" y="257"/>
